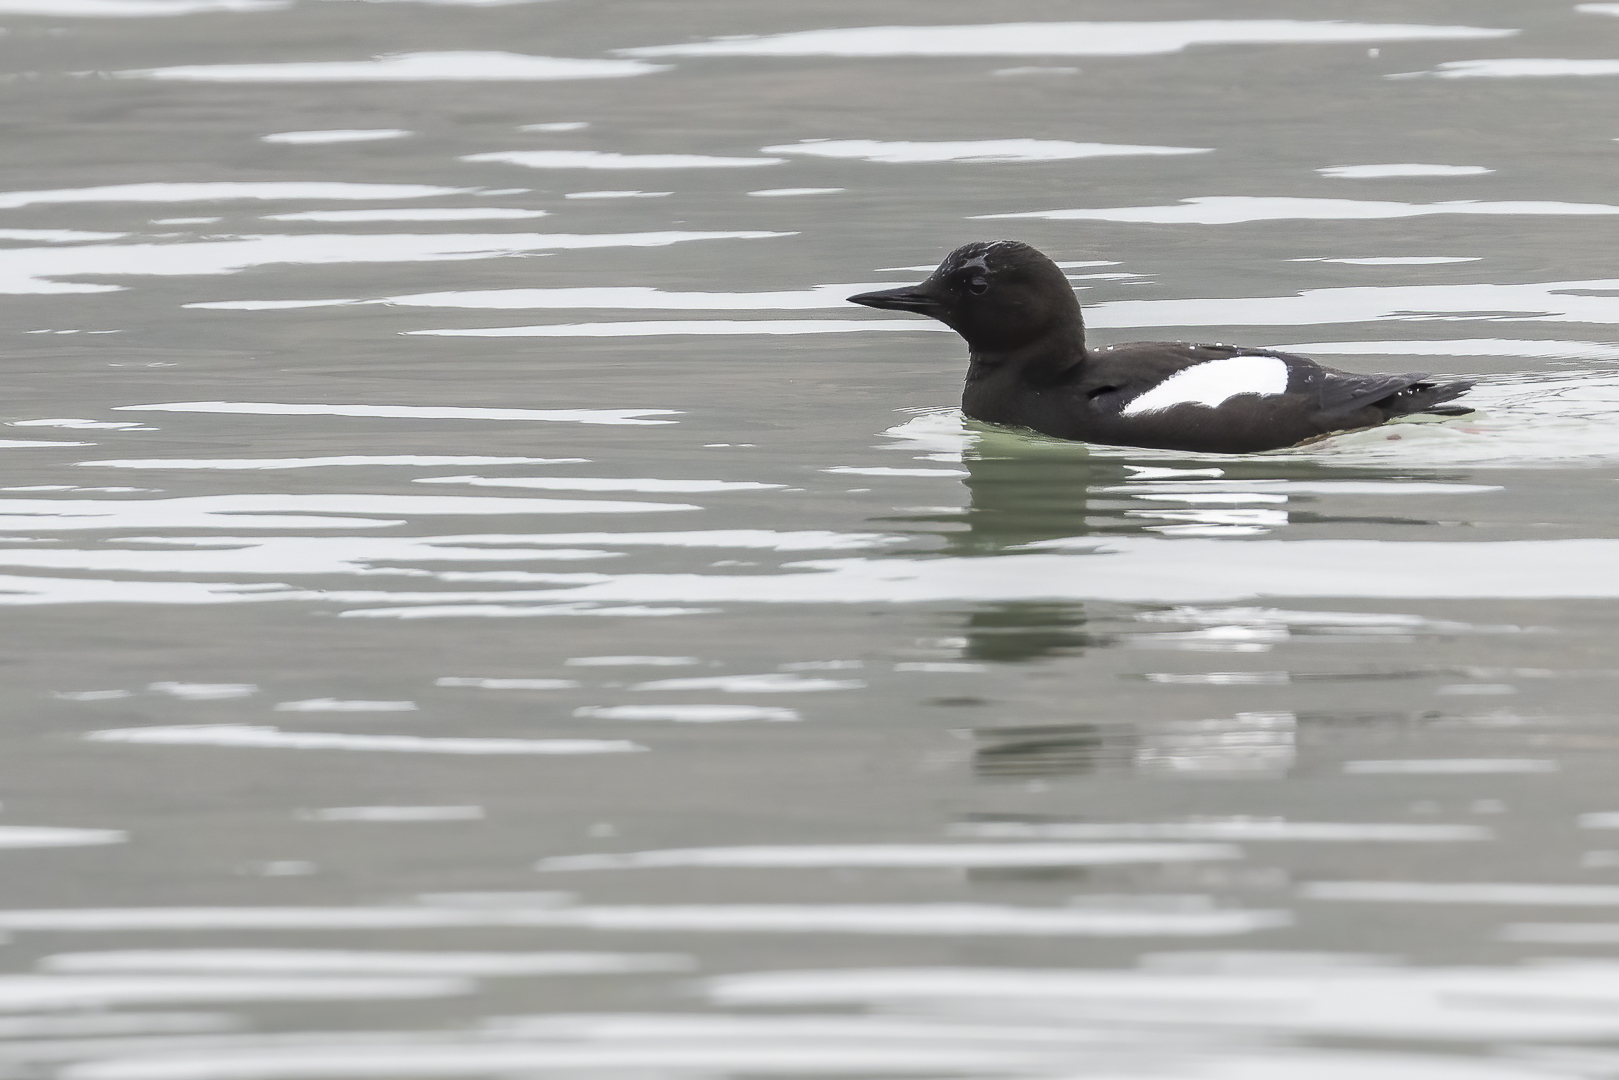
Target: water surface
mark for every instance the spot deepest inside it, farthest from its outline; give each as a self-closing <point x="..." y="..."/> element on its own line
<point x="481" y="604"/>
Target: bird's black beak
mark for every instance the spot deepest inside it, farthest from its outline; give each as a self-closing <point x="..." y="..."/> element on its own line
<point x="910" y="298"/>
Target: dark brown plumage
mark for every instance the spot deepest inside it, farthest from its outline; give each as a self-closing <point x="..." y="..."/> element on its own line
<point x="1029" y="367"/>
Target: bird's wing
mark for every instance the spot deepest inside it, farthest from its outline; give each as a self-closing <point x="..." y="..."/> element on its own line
<point x="1134" y="368"/>
<point x="1343" y="392"/>
<point x="1138" y="366"/>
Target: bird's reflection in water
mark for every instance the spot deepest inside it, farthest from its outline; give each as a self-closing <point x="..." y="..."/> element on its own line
<point x="1028" y="491"/>
<point x="1024" y="633"/>
<point x="1024" y="489"/>
<point x="1019" y="632"/>
<point x="1042" y="751"/>
<point x="1249" y="745"/>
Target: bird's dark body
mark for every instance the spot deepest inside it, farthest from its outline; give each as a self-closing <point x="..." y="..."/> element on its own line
<point x="1086" y="403"/>
<point x="1029" y="368"/>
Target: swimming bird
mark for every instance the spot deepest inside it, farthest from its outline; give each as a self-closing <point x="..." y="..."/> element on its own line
<point x="1029" y="367"/>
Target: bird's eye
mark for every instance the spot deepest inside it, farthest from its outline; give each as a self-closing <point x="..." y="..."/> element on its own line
<point x="978" y="286"/>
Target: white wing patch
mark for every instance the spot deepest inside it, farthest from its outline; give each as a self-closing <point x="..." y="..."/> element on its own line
<point x="1212" y="382"/>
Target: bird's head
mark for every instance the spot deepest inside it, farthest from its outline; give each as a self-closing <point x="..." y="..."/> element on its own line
<point x="1000" y="295"/>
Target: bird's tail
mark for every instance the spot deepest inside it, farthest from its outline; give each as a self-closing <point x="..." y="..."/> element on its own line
<point x="1428" y="397"/>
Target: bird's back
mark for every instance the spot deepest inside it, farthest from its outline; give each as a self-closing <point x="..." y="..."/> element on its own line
<point x="1206" y="398"/>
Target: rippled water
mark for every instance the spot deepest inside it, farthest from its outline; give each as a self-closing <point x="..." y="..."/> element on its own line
<point x="481" y="604"/>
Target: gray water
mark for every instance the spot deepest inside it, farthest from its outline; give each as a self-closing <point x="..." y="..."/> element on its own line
<point x="461" y="622"/>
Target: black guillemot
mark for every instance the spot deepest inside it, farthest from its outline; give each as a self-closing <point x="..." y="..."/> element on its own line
<point x="1029" y="368"/>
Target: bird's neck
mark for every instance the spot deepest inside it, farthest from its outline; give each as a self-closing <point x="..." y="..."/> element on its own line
<point x="1048" y="360"/>
<point x="1019" y="387"/>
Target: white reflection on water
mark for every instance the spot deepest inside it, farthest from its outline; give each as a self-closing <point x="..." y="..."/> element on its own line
<point x="914" y="919"/>
<point x="645" y="485"/>
<point x="617" y="194"/>
<point x="809" y="1055"/>
<point x="1395" y="260"/>
<point x="335" y="705"/>
<point x="125" y="1023"/>
<point x="1131" y="918"/>
<point x="1060" y="38"/>
<point x="791" y="1046"/>
<point x="506" y="684"/>
<point x="1221" y="678"/>
<point x="321" y="462"/>
<point x="409" y="67"/>
<point x="1372" y="172"/>
<point x="1242" y="828"/>
<point x="412" y="213"/>
<point x="1210" y="496"/>
<point x="982" y="150"/>
<point x="41" y="836"/>
<point x="772" y="193"/>
<point x="22" y="992"/>
<point x="363" y="962"/>
<point x="370" y="556"/>
<point x="261" y="736"/>
<point x="1514" y="68"/>
<point x="80" y="423"/>
<point x="1278" y="490"/>
<point x="688" y="714"/>
<point x="1248" y="744"/>
<point x="211" y="191"/>
<point x="227" y="554"/>
<point x="1037" y="69"/>
<point x="35" y="270"/>
<point x="1463" y="892"/>
<point x="761" y="539"/>
<point x="1450" y="766"/>
<point x="752" y="684"/>
<point x="204" y="691"/>
<point x="1560" y="933"/>
<point x="1237" y="635"/>
<point x="410" y="412"/>
<point x="1133" y="569"/>
<point x="123" y="9"/>
<point x="599" y="159"/>
<point x="58" y="236"/>
<point x="394" y="814"/>
<point x="334" y="135"/>
<point x="1235" y="209"/>
<point x="1270" y="625"/>
<point x="270" y="511"/>
<point x="514" y="912"/>
<point x="1128" y="569"/>
<point x="1349" y="1000"/>
<point x="630" y="661"/>
<point x="1601" y="820"/>
<point x="23" y="591"/>
<point x="896" y="856"/>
